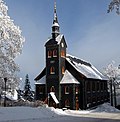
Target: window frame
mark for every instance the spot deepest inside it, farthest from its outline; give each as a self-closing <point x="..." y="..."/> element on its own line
<point x="52" y="70"/>
<point x="67" y="103"/>
<point x="54" y="53"/>
<point x="67" y="89"/>
<point x="52" y="89"/>
<point x="62" y="53"/>
<point x="49" y="53"/>
<point x="63" y="70"/>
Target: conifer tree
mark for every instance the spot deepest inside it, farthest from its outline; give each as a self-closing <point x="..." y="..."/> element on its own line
<point x="27" y="89"/>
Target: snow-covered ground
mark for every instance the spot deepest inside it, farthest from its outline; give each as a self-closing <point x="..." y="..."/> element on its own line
<point x="29" y="114"/>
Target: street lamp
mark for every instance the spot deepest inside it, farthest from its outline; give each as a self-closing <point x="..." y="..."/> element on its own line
<point x="48" y="99"/>
<point x="5" y="80"/>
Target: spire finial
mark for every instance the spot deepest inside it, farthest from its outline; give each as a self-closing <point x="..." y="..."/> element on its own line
<point x="55" y="26"/>
<point x="55" y="13"/>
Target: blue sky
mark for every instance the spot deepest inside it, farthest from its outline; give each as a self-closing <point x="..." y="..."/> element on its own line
<point x="90" y="32"/>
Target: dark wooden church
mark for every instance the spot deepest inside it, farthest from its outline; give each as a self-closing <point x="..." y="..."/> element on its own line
<point x="67" y="81"/>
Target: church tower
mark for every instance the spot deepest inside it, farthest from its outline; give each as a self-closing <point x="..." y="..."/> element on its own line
<point x="55" y="60"/>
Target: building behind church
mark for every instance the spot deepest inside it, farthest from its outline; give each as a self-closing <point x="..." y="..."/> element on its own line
<point x="67" y="81"/>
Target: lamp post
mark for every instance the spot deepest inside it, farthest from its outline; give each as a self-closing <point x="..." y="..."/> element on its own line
<point x="5" y="80"/>
<point x="48" y="99"/>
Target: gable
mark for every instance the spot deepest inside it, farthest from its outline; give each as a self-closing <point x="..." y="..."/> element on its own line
<point x="68" y="78"/>
<point x="59" y="39"/>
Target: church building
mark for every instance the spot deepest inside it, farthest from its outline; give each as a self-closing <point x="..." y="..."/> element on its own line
<point x="67" y="81"/>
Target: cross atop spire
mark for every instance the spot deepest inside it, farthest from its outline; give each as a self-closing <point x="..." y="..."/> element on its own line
<point x="55" y="26"/>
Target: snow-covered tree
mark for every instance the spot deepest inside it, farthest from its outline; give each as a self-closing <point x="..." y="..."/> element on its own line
<point x="11" y="43"/>
<point x="27" y="89"/>
<point x="113" y="73"/>
<point x="114" y="4"/>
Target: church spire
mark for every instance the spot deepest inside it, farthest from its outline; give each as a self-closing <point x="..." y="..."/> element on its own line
<point x="55" y="26"/>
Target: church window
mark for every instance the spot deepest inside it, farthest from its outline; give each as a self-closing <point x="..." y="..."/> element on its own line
<point x="63" y="70"/>
<point x="52" y="89"/>
<point x="41" y="90"/>
<point x="77" y="90"/>
<point x="67" y="90"/>
<point x="67" y="103"/>
<point x="62" y="53"/>
<point x="52" y="70"/>
<point x="54" y="53"/>
<point x="49" y="54"/>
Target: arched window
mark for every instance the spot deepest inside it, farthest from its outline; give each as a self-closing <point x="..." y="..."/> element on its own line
<point x="67" y="90"/>
<point x="49" y="54"/>
<point x="52" y="70"/>
<point x="62" y="53"/>
<point x="77" y="90"/>
<point x="52" y="89"/>
<point x="67" y="103"/>
<point x="41" y="90"/>
<point x="54" y="53"/>
<point x="63" y="70"/>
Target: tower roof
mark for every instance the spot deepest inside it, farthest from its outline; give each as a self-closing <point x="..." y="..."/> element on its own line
<point x="55" y="26"/>
<point x="55" y="20"/>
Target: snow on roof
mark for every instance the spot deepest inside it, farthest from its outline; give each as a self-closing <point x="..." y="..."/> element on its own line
<point x="68" y="78"/>
<point x="42" y="80"/>
<point x="55" y="24"/>
<point x="85" y="68"/>
<point x="54" y="97"/>
<point x="59" y="38"/>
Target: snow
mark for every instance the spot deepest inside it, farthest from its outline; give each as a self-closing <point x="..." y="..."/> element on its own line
<point x="12" y="96"/>
<point x="11" y="43"/>
<point x="68" y="78"/>
<point x="106" y="108"/>
<point x="55" y="24"/>
<point x="59" y="38"/>
<point x="27" y="114"/>
<point x="85" y="68"/>
<point x="42" y="80"/>
<point x="54" y="97"/>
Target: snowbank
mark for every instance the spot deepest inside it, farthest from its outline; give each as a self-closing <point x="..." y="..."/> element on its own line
<point x="25" y="114"/>
<point x="106" y="107"/>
